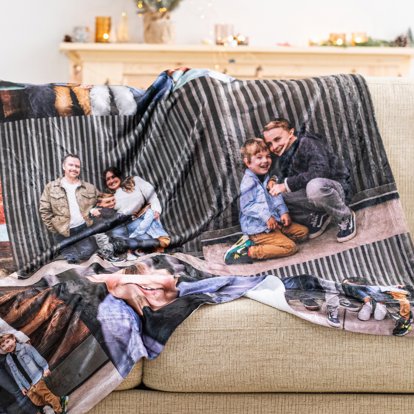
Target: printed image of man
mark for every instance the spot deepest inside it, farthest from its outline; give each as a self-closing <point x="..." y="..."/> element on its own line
<point x="64" y="208"/>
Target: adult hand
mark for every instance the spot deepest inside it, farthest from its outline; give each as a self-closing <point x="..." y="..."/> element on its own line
<point x="46" y="372"/>
<point x="24" y="391"/>
<point x="95" y="212"/>
<point x="277" y="189"/>
<point x="272" y="224"/>
<point x="286" y="220"/>
<point x="141" y="211"/>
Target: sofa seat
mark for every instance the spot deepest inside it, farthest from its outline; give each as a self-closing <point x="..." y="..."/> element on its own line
<point x="250" y="347"/>
<point x="157" y="402"/>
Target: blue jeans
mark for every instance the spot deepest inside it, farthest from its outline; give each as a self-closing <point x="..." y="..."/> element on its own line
<point x="308" y="286"/>
<point x="361" y="292"/>
<point x="120" y="231"/>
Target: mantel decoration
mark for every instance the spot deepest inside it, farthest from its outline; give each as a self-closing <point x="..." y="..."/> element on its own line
<point x="158" y="26"/>
<point x="362" y="39"/>
<point x="102" y="29"/>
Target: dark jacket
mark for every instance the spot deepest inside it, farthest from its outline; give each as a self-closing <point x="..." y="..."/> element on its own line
<point x="309" y="158"/>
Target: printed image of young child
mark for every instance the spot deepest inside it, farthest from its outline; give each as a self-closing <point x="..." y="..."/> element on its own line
<point x="264" y="219"/>
<point x="28" y="369"/>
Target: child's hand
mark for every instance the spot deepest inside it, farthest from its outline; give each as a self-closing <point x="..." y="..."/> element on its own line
<point x="24" y="391"/>
<point x="272" y="224"/>
<point x="46" y="372"/>
<point x="270" y="184"/>
<point x="286" y="220"/>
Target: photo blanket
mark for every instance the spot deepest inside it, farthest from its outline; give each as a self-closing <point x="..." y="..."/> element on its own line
<point x="122" y="211"/>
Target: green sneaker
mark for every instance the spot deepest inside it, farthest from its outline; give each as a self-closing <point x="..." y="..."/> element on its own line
<point x="238" y="253"/>
<point x="402" y="327"/>
<point x="64" y="404"/>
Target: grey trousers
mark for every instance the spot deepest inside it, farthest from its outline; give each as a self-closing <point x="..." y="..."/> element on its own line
<point x="321" y="195"/>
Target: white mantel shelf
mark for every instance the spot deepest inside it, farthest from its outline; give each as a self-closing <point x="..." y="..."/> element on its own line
<point x="138" y="64"/>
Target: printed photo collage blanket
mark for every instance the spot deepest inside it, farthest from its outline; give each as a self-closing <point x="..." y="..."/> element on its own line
<point x="122" y="211"/>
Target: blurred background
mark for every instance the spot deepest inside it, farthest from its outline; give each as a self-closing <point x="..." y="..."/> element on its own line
<point x="31" y="31"/>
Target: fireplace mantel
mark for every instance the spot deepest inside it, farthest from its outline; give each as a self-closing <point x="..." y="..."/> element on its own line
<point x="138" y="64"/>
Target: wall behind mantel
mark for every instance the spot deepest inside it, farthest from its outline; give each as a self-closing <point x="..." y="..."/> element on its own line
<point x="31" y="30"/>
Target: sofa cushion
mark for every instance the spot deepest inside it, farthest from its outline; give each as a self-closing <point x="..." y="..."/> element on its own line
<point x="133" y="379"/>
<point x="245" y="346"/>
<point x="393" y="100"/>
<point x="153" y="402"/>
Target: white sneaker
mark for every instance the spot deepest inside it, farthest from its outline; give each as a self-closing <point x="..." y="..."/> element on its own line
<point x="366" y="311"/>
<point x="380" y="311"/>
<point x="131" y="257"/>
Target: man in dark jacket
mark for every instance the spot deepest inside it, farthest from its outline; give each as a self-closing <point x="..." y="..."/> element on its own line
<point x="314" y="183"/>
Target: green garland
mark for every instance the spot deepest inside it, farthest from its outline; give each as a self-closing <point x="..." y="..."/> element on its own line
<point x="403" y="40"/>
<point x="370" y="43"/>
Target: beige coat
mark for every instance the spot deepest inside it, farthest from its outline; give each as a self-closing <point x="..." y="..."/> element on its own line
<point x="54" y="206"/>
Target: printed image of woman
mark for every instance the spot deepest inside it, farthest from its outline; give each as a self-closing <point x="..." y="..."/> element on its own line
<point x="137" y="197"/>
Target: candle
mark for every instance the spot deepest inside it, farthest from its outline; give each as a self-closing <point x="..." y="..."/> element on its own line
<point x="224" y="34"/>
<point x="102" y="29"/>
<point x="241" y="39"/>
<point x="337" y="39"/>
<point x="358" y="38"/>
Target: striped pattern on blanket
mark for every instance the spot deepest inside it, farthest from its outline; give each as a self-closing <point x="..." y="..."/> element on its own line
<point x="187" y="146"/>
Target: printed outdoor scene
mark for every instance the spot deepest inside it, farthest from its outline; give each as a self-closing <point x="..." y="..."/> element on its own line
<point x="122" y="226"/>
<point x="297" y="207"/>
<point x="122" y="218"/>
<point x="101" y="319"/>
<point x="119" y="222"/>
<point x="37" y="335"/>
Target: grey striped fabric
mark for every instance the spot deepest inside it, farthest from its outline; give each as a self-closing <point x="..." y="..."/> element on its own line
<point x="211" y="120"/>
<point x="31" y="154"/>
<point x="385" y="262"/>
<point x="187" y="146"/>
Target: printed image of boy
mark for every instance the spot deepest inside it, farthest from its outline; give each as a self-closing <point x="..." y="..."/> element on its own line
<point x="29" y="369"/>
<point x="315" y="183"/>
<point x="264" y="219"/>
<point x="7" y="382"/>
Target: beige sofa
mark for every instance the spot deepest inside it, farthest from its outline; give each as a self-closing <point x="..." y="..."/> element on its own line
<point x="246" y="357"/>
